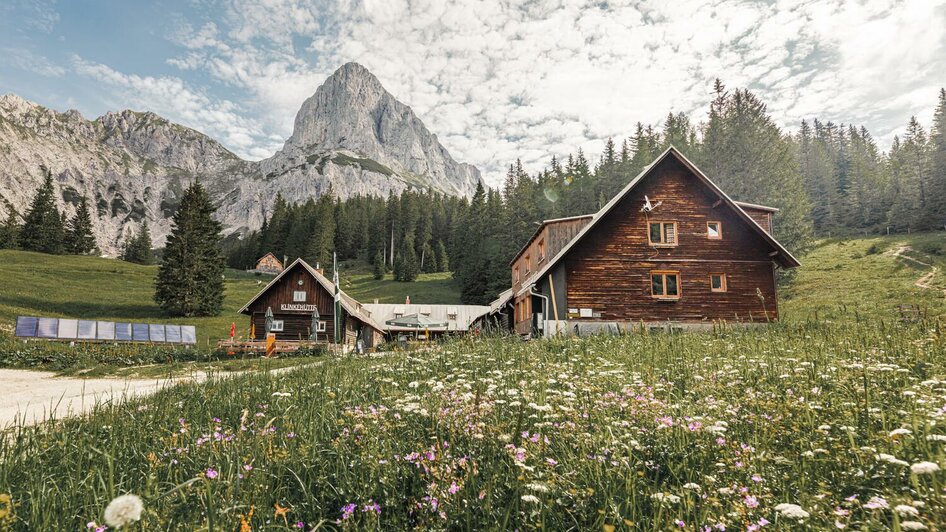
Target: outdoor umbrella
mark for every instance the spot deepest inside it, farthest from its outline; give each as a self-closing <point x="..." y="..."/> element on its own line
<point x="313" y="329"/>
<point x="269" y="319"/>
<point x="416" y="321"/>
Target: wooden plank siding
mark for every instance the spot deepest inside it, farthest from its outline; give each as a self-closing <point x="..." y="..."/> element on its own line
<point x="609" y="270"/>
<point x="555" y="235"/>
<point x="296" y="323"/>
<point x="763" y="218"/>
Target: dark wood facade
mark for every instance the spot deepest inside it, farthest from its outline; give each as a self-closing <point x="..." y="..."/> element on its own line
<point x="723" y="267"/>
<point x="295" y="312"/>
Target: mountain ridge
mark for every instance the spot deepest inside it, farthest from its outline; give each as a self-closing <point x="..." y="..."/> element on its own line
<point x="351" y="137"/>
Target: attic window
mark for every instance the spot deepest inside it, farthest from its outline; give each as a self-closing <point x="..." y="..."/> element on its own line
<point x="665" y="284"/>
<point x="298" y="296"/>
<point x="515" y="274"/>
<point x="662" y="234"/>
<point x="714" y="230"/>
<point x="528" y="261"/>
<point x="541" y="250"/>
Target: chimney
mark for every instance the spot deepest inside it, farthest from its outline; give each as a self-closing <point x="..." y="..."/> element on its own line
<point x="375" y="301"/>
<point x="319" y="269"/>
<point x="407" y="301"/>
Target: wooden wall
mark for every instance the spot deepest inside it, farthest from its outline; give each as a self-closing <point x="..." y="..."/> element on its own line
<point x="609" y="270"/>
<point x="761" y="217"/>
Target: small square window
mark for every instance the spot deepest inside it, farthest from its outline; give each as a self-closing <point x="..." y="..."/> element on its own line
<point x="320" y="327"/>
<point x="277" y="326"/>
<point x="298" y="296"/>
<point x="718" y="282"/>
<point x="714" y="230"/>
<point x="665" y="285"/>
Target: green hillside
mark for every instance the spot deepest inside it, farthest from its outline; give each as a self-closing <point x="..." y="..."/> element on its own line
<point x="91" y="287"/>
<point x="869" y="275"/>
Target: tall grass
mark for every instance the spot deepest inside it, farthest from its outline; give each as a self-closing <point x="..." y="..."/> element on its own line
<point x="653" y="432"/>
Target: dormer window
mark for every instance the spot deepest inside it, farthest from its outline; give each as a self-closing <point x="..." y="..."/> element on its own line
<point x="662" y="234"/>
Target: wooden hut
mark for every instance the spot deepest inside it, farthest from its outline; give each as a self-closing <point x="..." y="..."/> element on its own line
<point x="268" y="263"/>
<point x="669" y="249"/>
<point x="294" y="295"/>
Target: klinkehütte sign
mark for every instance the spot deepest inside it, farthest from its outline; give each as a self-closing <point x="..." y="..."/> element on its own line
<point x="297" y="307"/>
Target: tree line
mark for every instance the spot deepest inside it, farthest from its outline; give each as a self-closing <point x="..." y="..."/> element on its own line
<point x="45" y="228"/>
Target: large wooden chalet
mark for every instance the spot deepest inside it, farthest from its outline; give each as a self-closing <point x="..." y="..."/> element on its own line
<point x="294" y="295"/>
<point x="670" y="249"/>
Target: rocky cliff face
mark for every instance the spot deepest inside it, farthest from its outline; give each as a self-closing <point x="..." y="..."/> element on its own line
<point x="350" y="138"/>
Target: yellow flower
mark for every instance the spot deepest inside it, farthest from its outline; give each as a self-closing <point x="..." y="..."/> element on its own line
<point x="280" y="512"/>
<point x="608" y="528"/>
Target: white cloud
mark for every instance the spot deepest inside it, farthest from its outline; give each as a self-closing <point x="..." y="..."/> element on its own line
<point x="533" y="78"/>
<point x="24" y="59"/>
<point x="171" y="98"/>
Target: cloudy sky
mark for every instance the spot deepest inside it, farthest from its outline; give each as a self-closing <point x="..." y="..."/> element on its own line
<point x="496" y="80"/>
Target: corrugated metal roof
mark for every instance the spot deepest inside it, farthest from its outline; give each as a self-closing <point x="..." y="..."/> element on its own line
<point x="459" y="317"/>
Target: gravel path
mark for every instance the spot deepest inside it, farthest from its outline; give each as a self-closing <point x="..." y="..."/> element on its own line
<point x="32" y="396"/>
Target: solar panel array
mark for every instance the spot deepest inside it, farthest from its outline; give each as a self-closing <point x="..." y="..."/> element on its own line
<point x="69" y="329"/>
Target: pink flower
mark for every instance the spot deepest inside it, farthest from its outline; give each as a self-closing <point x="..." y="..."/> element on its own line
<point x="756" y="478"/>
<point x="453" y="488"/>
<point x="211" y="473"/>
<point x="680" y="523"/>
<point x="751" y="501"/>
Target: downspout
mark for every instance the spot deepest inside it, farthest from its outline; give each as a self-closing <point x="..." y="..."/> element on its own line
<point x="545" y="307"/>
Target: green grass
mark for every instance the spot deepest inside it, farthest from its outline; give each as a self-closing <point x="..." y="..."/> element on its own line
<point x="634" y="431"/>
<point x="106" y="289"/>
<point x="844" y="277"/>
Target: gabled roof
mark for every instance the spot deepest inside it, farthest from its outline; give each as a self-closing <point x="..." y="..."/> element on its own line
<point x="539" y="229"/>
<point x="783" y="256"/>
<point x="462" y="315"/>
<point x="500" y="301"/>
<point x="270" y="254"/>
<point x="351" y="306"/>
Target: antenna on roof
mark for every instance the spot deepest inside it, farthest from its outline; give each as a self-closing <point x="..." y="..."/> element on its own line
<point x="648" y="206"/>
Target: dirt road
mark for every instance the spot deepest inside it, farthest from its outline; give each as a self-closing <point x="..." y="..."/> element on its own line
<point x="32" y="396"/>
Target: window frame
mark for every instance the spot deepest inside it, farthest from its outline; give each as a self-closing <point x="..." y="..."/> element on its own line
<point x="663" y="234"/>
<point x="278" y="326"/>
<point x="295" y="296"/>
<point x="664" y="274"/>
<point x="515" y="274"/>
<point x="719" y="230"/>
<point x="321" y="326"/>
<point x="541" y="250"/>
<point x="528" y="264"/>
<point x="724" y="283"/>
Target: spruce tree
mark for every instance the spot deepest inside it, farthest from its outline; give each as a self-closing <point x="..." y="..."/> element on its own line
<point x="190" y="279"/>
<point x="79" y="238"/>
<point x="429" y="259"/>
<point x="378" y="266"/>
<point x="42" y="227"/>
<point x="137" y="248"/>
<point x="406" y="266"/>
<point x="937" y="193"/>
<point x="443" y="259"/>
<point x="10" y="229"/>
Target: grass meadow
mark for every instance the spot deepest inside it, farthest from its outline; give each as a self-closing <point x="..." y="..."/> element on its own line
<point x="831" y="419"/>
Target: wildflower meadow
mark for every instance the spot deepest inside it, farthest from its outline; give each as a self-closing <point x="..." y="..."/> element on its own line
<point x="793" y="426"/>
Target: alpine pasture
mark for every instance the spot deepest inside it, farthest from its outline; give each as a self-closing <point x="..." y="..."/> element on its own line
<point x="831" y="419"/>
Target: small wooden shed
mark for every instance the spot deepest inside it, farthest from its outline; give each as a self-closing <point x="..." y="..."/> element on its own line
<point x="268" y="263"/>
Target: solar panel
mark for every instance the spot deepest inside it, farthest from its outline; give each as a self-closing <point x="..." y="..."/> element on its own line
<point x="173" y="333"/>
<point x="123" y="331"/>
<point x="68" y="329"/>
<point x="188" y="334"/>
<point x="26" y="326"/>
<point x="47" y="327"/>
<point x="139" y="332"/>
<point x="106" y="330"/>
<point x="86" y="330"/>
<point x="156" y="331"/>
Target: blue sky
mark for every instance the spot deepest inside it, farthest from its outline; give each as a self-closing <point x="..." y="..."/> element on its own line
<point x="496" y="80"/>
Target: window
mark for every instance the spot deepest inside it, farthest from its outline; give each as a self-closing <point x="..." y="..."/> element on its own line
<point x="714" y="230"/>
<point x="541" y="250"/>
<point x="451" y="313"/>
<point x="515" y="274"/>
<point x="718" y="282"/>
<point x="298" y="296"/>
<point x="665" y="285"/>
<point x="320" y="327"/>
<point x="662" y="234"/>
<point x="277" y="326"/>
<point x="528" y="261"/>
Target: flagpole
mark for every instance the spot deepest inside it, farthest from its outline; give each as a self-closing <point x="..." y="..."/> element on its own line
<point x="338" y="299"/>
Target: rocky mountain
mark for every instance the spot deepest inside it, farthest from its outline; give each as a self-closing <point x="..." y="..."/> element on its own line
<point x="351" y="137"/>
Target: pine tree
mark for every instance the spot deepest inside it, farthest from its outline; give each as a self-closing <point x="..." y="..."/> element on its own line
<point x="10" y="229"/>
<point x="937" y="179"/>
<point x="406" y="267"/>
<point x="378" y="266"/>
<point x="137" y="248"/>
<point x="190" y="279"/>
<point x="429" y="259"/>
<point x="42" y="227"/>
<point x="79" y="238"/>
<point x="443" y="259"/>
